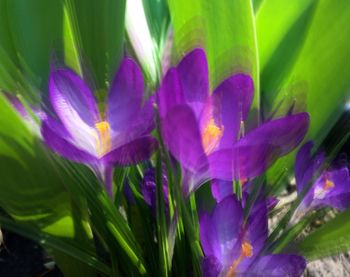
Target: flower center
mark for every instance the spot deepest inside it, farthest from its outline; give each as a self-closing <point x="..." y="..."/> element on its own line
<point x="243" y="181"/>
<point x="211" y="136"/>
<point x="320" y="192"/>
<point x="104" y="138"/>
<point x="246" y="252"/>
<point x="328" y="184"/>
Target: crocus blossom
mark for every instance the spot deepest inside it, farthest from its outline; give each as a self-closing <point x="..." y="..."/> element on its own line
<point x="330" y="187"/>
<point x="149" y="189"/>
<point x="233" y="248"/>
<point x="205" y="132"/>
<point x="78" y="131"/>
<point x="221" y="189"/>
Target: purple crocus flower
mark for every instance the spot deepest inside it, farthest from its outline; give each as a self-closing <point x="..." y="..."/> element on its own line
<point x="221" y="189"/>
<point x="331" y="188"/>
<point x="149" y="189"/>
<point x="232" y="248"/>
<point x="79" y="132"/>
<point x="205" y="132"/>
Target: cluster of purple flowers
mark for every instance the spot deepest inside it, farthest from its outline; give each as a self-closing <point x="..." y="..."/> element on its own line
<point x="209" y="134"/>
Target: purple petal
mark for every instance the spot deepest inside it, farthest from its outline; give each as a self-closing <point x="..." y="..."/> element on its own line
<point x="211" y="267"/>
<point x="170" y="93"/>
<point x="337" y="196"/>
<point x="257" y="226"/>
<point x="242" y="161"/>
<point x="232" y="100"/>
<point x="255" y="152"/>
<point x="340" y="202"/>
<point x="141" y="126"/>
<point x="128" y="192"/>
<point x="149" y="190"/>
<point x="144" y="123"/>
<point x="107" y="177"/>
<point x="181" y="135"/>
<point x="219" y="233"/>
<point x="132" y="153"/>
<point x="75" y="106"/>
<point x="271" y="202"/>
<point x="70" y="95"/>
<point x="192" y="180"/>
<point x="57" y="138"/>
<point x="306" y="166"/>
<point x="221" y="189"/>
<point x="125" y="96"/>
<point x="193" y="74"/>
<point x="208" y="236"/>
<point x="283" y="133"/>
<point x="341" y="179"/>
<point x="278" y="266"/>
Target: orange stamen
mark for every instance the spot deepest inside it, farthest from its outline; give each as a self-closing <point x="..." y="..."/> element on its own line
<point x="104" y="138"/>
<point x="246" y="252"/>
<point x="321" y="191"/>
<point x="211" y="136"/>
<point x="328" y="184"/>
<point x="243" y="181"/>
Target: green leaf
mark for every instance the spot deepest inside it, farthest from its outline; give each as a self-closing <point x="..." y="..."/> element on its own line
<point x="100" y="30"/>
<point x="11" y="78"/>
<point x="305" y="61"/>
<point x="36" y="30"/>
<point x="225" y="29"/>
<point x="107" y="221"/>
<point x="330" y="239"/>
<point x="34" y="192"/>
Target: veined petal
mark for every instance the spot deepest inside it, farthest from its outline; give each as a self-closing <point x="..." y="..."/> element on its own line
<point x="76" y="107"/>
<point x="57" y="138"/>
<point x="306" y="166"/>
<point x="170" y="92"/>
<point x="193" y="74"/>
<point x="255" y="152"/>
<point x="191" y="180"/>
<point x="211" y="267"/>
<point x="219" y="232"/>
<point x="277" y="266"/>
<point x="220" y="189"/>
<point x="242" y="162"/>
<point x="232" y="100"/>
<point x="257" y="229"/>
<point x="140" y="126"/>
<point x="284" y="133"/>
<point x="181" y="135"/>
<point x="227" y="219"/>
<point x="133" y="152"/>
<point x="332" y="189"/>
<point x="125" y="96"/>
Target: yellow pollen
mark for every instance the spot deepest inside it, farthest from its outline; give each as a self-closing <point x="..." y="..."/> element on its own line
<point x="104" y="138"/>
<point x="247" y="249"/>
<point x="243" y="181"/>
<point x="328" y="184"/>
<point x="211" y="136"/>
<point x="246" y="252"/>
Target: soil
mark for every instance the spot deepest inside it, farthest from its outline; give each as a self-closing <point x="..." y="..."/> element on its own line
<point x="21" y="257"/>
